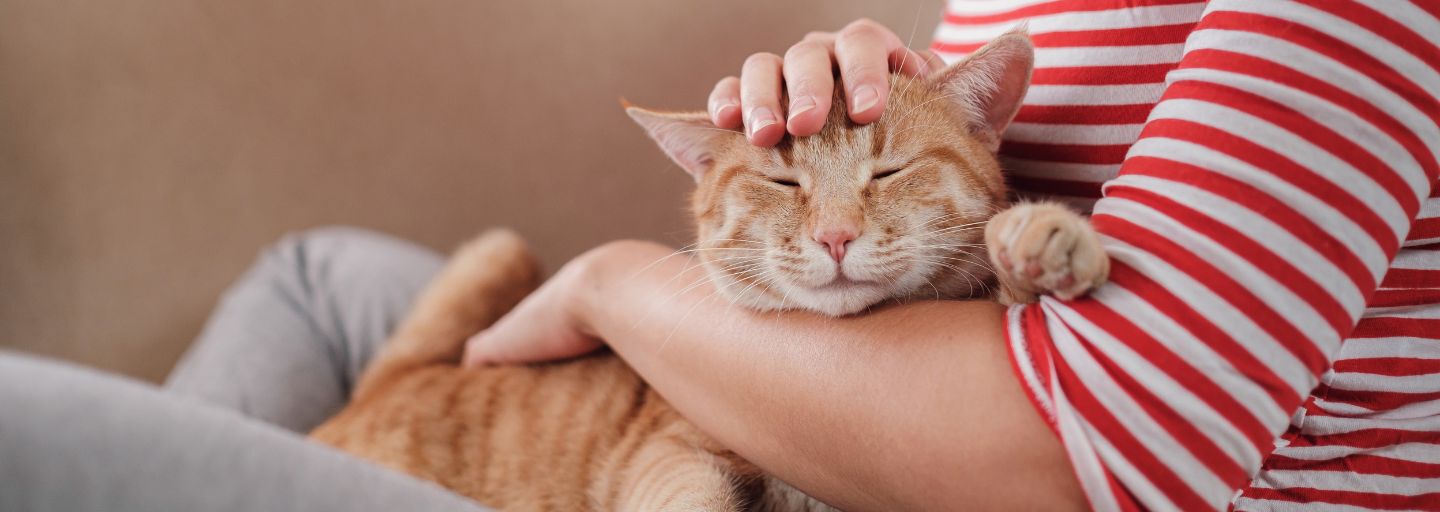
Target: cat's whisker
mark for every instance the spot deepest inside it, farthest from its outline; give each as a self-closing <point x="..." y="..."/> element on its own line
<point x="913" y="109"/>
<point x="931" y="219"/>
<point x="704" y="276"/>
<point x="692" y="264"/>
<point x="761" y="278"/>
<point x="948" y="238"/>
<point x="953" y="230"/>
<point x="741" y="258"/>
<point x="699" y="282"/>
<point x="656" y="305"/>
<point x="934" y="220"/>
<point x="940" y="217"/>
<point x="974" y="223"/>
<point x="953" y="258"/>
<point x="981" y="262"/>
<point x="948" y="246"/>
<point x="962" y="227"/>
<point x="652" y="264"/>
<point x="691" y="248"/>
<point x="681" y="322"/>
<point x="978" y="223"/>
<point x="734" y="240"/>
<point x="947" y="218"/>
<point x="972" y="281"/>
<point x="914" y="27"/>
<point x="749" y="273"/>
<point x="673" y="255"/>
<point x="784" y="299"/>
<point x="729" y="249"/>
<point x="931" y="282"/>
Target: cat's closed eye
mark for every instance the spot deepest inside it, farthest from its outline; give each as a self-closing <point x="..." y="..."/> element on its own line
<point x="784" y="182"/>
<point x="882" y="175"/>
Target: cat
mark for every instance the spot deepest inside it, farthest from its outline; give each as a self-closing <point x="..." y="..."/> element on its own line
<point x="899" y="209"/>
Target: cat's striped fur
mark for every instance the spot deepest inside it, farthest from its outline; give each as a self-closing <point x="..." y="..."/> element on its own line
<point x="590" y="434"/>
<point x="579" y="435"/>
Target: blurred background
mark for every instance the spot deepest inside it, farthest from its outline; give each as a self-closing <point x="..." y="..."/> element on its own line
<point x="150" y="148"/>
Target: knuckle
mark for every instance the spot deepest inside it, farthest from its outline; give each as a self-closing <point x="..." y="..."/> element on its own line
<point x="803" y="86"/>
<point x="815" y="36"/>
<point x="761" y="59"/>
<point x="804" y="47"/>
<point x="864" y="22"/>
<point x="864" y="69"/>
<point x="860" y="26"/>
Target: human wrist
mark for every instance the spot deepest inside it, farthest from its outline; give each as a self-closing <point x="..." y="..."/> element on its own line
<point x="599" y="272"/>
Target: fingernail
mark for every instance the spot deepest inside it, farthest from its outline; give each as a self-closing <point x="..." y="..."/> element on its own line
<point x="864" y="99"/>
<point x="801" y="106"/>
<point x="760" y="117"/>
<point x="722" y="108"/>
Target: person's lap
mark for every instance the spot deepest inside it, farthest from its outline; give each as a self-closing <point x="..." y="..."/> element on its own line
<point x="289" y="338"/>
<point x="277" y="357"/>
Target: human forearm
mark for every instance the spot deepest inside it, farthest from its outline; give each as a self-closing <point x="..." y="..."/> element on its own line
<point x="909" y="406"/>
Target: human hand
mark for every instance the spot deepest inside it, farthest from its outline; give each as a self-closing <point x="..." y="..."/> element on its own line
<point x="864" y="51"/>
<point x="547" y="325"/>
<point x="554" y="322"/>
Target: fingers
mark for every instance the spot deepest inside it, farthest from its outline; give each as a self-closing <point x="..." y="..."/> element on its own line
<point x="865" y="53"/>
<point x="863" y="49"/>
<point x="760" y="95"/>
<point x="912" y="63"/>
<point x="810" y="84"/>
<point x="724" y="104"/>
<point x="474" y="354"/>
<point x="935" y="63"/>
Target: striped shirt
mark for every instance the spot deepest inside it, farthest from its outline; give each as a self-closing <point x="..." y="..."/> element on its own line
<point x="1267" y="171"/>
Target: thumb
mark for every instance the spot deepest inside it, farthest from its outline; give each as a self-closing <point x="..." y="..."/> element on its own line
<point x="475" y="352"/>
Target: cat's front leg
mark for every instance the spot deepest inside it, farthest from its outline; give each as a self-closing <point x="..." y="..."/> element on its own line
<point x="1044" y="248"/>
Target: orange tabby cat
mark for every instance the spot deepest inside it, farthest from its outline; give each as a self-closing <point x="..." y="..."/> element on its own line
<point x="833" y="223"/>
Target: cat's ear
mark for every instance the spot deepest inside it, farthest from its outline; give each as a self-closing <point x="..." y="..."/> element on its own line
<point x="689" y="138"/>
<point x="990" y="84"/>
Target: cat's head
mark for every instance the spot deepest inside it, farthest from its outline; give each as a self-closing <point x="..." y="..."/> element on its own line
<point x="856" y="215"/>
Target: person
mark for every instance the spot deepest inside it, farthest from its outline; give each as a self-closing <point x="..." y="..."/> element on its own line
<point x="1262" y="164"/>
<point x="226" y="433"/>
<point x="1240" y="262"/>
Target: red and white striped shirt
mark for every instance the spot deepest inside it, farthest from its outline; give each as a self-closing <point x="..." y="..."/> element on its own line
<point x="1267" y="170"/>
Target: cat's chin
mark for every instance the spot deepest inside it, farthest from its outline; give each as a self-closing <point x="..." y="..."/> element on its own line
<point x="836" y="299"/>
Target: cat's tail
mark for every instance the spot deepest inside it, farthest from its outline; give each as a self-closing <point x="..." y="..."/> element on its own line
<point x="482" y="281"/>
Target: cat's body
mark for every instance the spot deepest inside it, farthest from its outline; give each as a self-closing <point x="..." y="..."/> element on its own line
<point x="833" y="223"/>
<point x="587" y="434"/>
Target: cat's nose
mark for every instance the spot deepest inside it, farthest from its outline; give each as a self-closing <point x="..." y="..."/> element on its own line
<point x="836" y="238"/>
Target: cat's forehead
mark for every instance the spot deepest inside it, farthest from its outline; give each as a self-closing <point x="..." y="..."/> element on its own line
<point x="915" y="113"/>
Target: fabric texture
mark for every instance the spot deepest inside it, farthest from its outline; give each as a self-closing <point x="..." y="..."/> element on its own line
<point x="77" y="440"/>
<point x="1267" y="171"/>
<point x="289" y="338"/>
<point x="278" y="356"/>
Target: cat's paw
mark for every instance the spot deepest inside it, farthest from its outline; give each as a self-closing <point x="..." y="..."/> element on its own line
<point x="1041" y="248"/>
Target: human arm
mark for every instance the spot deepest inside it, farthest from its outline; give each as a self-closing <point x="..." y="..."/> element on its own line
<point x="1260" y="208"/>
<point x="1257" y="212"/>
<point x="864" y="52"/>
<point x="908" y="407"/>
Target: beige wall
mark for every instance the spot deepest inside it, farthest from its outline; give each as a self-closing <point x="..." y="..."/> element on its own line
<point x="149" y="148"/>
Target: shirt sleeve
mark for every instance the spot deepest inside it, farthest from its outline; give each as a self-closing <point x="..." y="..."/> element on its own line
<point x="1248" y="227"/>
